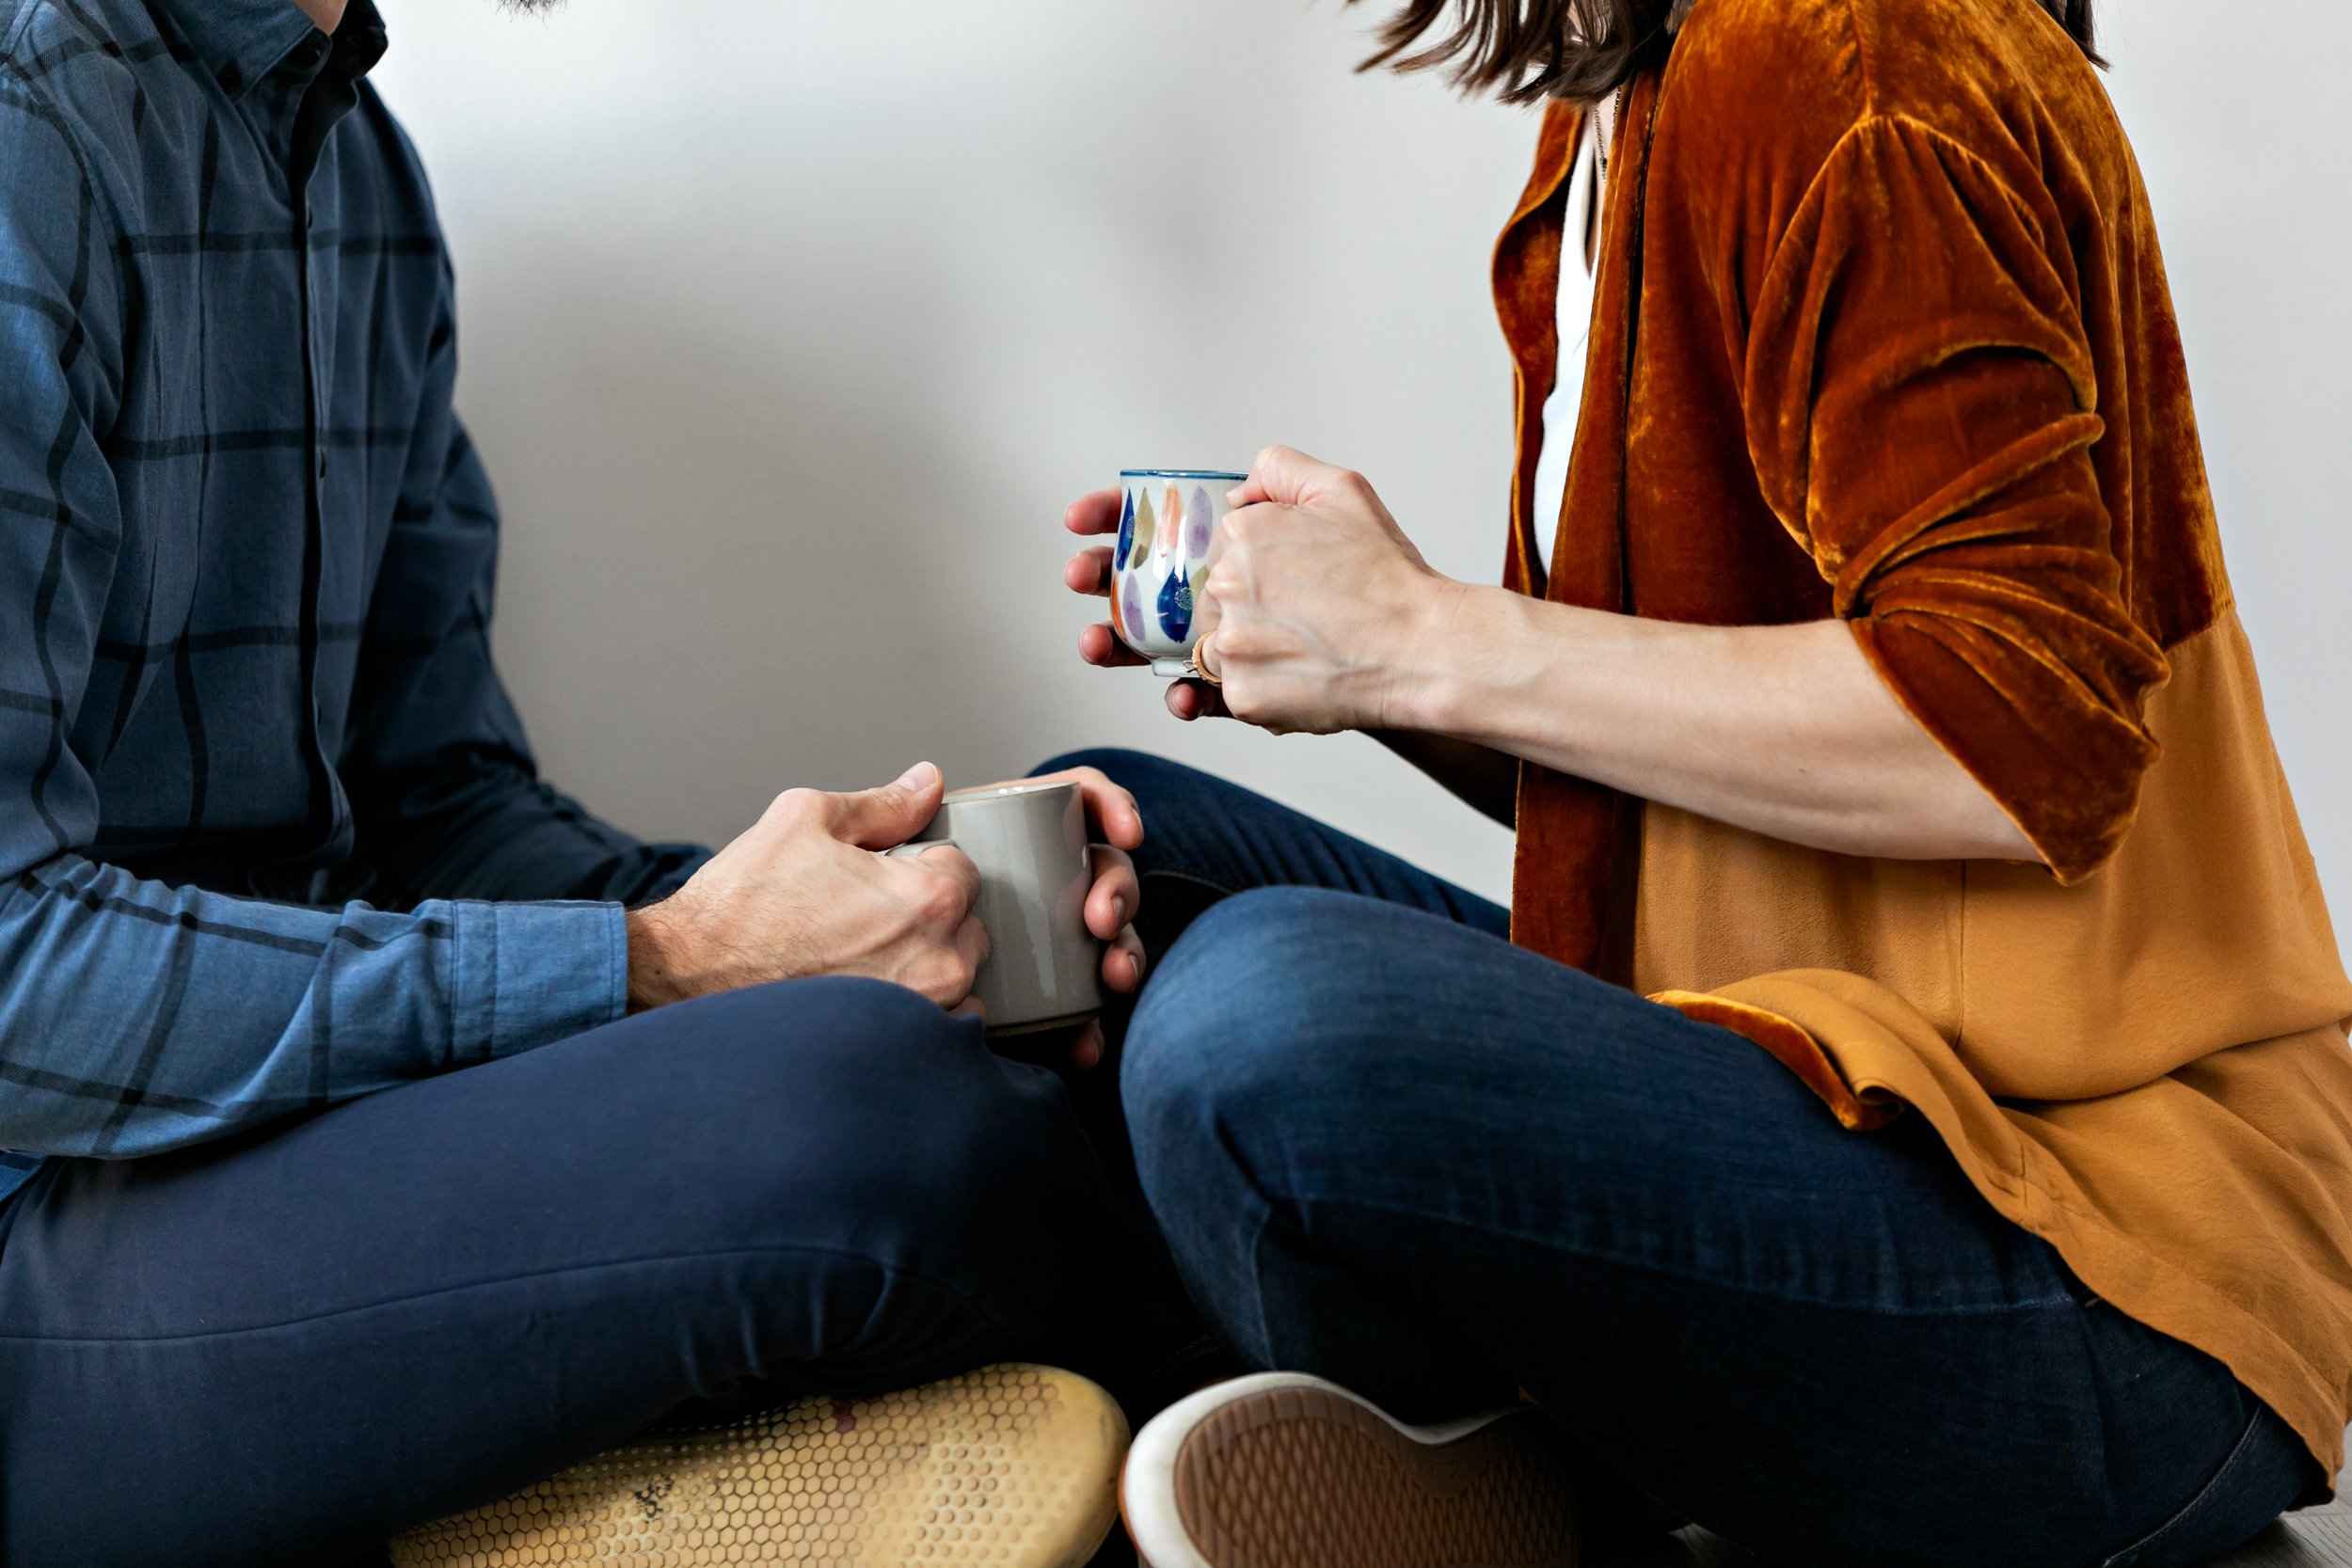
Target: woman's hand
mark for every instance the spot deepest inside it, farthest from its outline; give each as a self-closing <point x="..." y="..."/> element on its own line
<point x="1313" y="600"/>
<point x="1315" y="605"/>
<point x="1089" y="573"/>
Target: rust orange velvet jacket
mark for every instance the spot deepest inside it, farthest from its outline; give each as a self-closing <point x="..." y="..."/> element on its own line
<point x="1881" y="333"/>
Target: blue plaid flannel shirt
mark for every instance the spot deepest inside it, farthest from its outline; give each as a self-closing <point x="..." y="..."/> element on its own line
<point x="270" y="833"/>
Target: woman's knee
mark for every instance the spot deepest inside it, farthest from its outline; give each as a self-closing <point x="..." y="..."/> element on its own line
<point x="1235" y="1025"/>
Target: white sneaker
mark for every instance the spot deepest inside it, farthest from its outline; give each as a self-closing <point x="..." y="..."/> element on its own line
<point x="1286" y="1471"/>
<point x="1014" y="1466"/>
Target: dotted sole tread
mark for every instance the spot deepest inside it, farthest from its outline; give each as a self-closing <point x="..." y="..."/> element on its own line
<point x="1014" y="1466"/>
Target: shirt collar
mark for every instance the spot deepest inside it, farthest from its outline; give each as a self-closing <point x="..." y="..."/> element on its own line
<point x="240" y="41"/>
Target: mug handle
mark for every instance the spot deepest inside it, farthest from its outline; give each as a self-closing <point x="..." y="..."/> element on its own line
<point x="915" y="847"/>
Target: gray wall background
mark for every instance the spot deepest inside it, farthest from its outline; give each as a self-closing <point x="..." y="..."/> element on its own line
<point x="788" y="329"/>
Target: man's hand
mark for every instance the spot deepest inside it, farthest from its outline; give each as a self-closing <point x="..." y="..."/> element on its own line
<point x="804" y="894"/>
<point x="1117" y="893"/>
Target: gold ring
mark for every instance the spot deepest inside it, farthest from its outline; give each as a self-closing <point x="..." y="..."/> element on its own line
<point x="1194" y="670"/>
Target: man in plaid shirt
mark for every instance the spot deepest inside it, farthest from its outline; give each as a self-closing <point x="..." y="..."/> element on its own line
<point x="346" y="1194"/>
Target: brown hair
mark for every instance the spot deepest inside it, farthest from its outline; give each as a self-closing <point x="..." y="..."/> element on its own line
<point x="1527" y="50"/>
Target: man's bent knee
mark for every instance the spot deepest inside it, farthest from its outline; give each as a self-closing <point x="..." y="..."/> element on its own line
<point x="853" y="1115"/>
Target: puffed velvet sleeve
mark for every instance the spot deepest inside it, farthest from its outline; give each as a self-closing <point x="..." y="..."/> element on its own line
<point x="1921" y="407"/>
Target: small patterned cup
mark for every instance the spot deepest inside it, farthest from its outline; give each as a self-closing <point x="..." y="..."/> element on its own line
<point x="1166" y="520"/>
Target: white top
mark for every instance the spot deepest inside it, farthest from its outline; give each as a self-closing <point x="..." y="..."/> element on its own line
<point x="1576" y="326"/>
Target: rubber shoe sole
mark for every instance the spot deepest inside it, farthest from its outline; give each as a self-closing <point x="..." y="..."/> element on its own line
<point x="1287" y="1471"/>
<point x="1016" y="1467"/>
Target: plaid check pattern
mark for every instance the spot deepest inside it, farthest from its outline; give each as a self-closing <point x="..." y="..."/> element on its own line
<point x="270" y="833"/>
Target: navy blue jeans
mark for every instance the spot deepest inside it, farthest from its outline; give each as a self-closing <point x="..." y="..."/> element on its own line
<point x="1391" y="1148"/>
<point x="285" y="1346"/>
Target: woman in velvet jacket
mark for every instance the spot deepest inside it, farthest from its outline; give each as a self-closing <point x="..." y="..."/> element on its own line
<point x="1906" y="1116"/>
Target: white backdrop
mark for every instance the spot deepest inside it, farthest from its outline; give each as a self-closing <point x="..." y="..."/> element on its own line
<point x="790" y="327"/>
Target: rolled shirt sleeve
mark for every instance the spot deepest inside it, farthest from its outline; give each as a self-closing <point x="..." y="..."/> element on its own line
<point x="1922" y="408"/>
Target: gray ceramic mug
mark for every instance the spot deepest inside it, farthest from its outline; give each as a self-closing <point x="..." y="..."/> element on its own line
<point x="1029" y="841"/>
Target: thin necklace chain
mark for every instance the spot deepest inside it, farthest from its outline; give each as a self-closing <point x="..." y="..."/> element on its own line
<point x="1600" y="142"/>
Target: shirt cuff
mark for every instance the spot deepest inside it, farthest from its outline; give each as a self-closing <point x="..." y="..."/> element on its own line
<point x="530" y="974"/>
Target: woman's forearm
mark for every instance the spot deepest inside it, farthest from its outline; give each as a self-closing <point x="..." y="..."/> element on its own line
<point x="1786" y="731"/>
<point x="1319" y="614"/>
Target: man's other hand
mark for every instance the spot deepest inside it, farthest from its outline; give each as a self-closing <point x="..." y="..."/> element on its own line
<point x="1117" y="825"/>
<point x="804" y="894"/>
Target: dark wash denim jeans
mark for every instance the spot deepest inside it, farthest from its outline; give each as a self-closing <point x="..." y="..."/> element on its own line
<point x="282" y="1347"/>
<point x="1391" y="1148"/>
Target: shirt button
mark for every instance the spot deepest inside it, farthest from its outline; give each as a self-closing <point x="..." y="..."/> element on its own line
<point x="310" y="218"/>
<point x="322" y="464"/>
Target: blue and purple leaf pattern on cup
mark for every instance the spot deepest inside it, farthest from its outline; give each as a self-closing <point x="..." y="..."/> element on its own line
<point x="1200" y="522"/>
<point x="1143" y="530"/>
<point x="1176" y="607"/>
<point x="1131" y="606"/>
<point x="1118" y="559"/>
<point x="1160" y="558"/>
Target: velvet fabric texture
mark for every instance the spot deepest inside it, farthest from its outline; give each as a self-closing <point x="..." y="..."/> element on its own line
<point x="1881" y="333"/>
<point x="1901" y="306"/>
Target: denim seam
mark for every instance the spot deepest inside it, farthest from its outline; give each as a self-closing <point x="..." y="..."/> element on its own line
<point x="1263" y="1201"/>
<point x="1645" y="1266"/>
<point x="503" y="1281"/>
<point x="1258" y="1275"/>
<point x="2188" y="1510"/>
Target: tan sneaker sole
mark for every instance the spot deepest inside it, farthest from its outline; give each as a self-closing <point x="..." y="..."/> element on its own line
<point x="1014" y="1466"/>
<point x="1287" y="1471"/>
